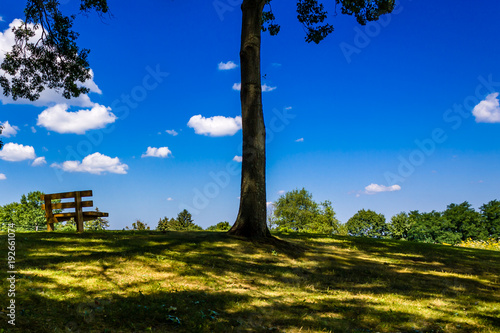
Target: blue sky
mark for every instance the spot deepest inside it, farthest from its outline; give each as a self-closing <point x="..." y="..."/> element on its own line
<point x="399" y="115"/>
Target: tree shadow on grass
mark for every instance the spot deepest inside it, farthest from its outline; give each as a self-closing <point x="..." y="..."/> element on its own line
<point x="280" y="286"/>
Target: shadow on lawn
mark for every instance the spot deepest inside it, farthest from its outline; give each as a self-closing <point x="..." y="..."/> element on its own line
<point x="412" y="271"/>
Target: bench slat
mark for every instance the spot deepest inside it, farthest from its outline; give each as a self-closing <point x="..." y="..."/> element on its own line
<point x="66" y="195"/>
<point x="86" y="216"/>
<point x="72" y="204"/>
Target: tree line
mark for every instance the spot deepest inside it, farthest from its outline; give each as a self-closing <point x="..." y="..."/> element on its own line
<point x="297" y="211"/>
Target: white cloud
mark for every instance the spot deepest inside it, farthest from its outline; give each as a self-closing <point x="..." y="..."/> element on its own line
<point x="281" y="192"/>
<point x="39" y="161"/>
<point x="162" y="152"/>
<point x="2" y="176"/>
<point x="14" y="152"/>
<point x="237" y="86"/>
<point x="238" y="159"/>
<point x="49" y="96"/>
<point x="33" y="129"/>
<point x="215" y="126"/>
<point x="488" y="110"/>
<point x="227" y="66"/>
<point x="300" y="140"/>
<point x="375" y="188"/>
<point x="95" y="164"/>
<point x="265" y="87"/>
<point x="288" y="108"/>
<point x="172" y="132"/>
<point x="59" y="120"/>
<point x="170" y="199"/>
<point x="1" y="18"/>
<point x="8" y="130"/>
<point x="269" y="203"/>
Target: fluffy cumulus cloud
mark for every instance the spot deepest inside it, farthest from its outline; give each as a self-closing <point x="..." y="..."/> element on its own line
<point x="488" y="110"/>
<point x="48" y="96"/>
<point x="238" y="159"/>
<point x="8" y="130"/>
<point x="96" y="163"/>
<point x="215" y="126"/>
<point x="162" y="152"/>
<point x="265" y="87"/>
<point x="172" y="132"/>
<point x="375" y="188"/>
<point x="225" y="66"/>
<point x="39" y="161"/>
<point x="59" y="120"/>
<point x="14" y="152"/>
<point x="2" y="176"/>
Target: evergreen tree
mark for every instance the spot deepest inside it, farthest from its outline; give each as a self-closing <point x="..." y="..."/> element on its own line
<point x="99" y="223"/>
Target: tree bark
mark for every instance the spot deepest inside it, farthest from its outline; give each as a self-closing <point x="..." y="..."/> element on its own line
<point x="251" y="220"/>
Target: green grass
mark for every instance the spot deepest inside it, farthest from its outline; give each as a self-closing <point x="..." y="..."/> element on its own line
<point x="209" y="282"/>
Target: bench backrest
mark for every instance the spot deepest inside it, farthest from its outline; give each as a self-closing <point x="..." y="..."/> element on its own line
<point x="77" y="204"/>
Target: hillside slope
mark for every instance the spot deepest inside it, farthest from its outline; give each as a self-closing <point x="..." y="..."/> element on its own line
<point x="208" y="282"/>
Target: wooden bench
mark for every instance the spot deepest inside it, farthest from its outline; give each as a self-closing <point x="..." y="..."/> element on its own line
<point x="79" y="215"/>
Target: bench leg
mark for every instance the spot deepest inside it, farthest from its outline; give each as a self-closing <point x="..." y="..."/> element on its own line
<point x="79" y="213"/>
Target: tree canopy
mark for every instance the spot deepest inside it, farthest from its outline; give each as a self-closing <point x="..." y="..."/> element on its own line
<point x="296" y="210"/>
<point x="367" y="223"/>
<point x="26" y="215"/>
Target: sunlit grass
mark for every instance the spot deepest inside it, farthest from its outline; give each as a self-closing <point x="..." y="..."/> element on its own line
<point x="208" y="282"/>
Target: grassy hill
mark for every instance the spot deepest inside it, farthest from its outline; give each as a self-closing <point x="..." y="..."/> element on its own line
<point x="208" y="282"/>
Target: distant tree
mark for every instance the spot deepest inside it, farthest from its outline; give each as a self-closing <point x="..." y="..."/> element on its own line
<point x="295" y="210"/>
<point x="367" y="223"/>
<point x="138" y="225"/>
<point x="162" y="224"/>
<point x="185" y="221"/>
<point x="325" y="222"/>
<point x="67" y="226"/>
<point x="464" y="221"/>
<point x="97" y="224"/>
<point x="26" y="215"/>
<point x="400" y="226"/>
<point x="433" y="227"/>
<point x="271" y="217"/>
<point x="8" y="215"/>
<point x="426" y="226"/>
<point x="490" y="215"/>
<point x="221" y="226"/>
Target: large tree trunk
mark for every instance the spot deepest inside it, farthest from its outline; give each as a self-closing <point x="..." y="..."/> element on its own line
<point x="251" y="220"/>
